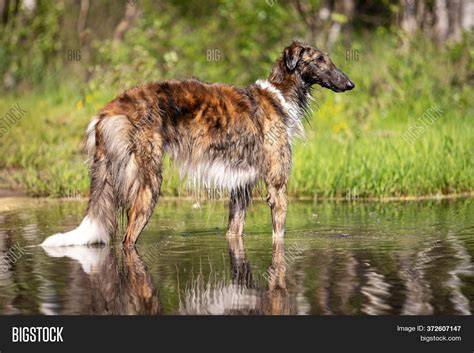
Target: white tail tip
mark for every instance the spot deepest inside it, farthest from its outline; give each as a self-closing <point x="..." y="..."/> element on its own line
<point x="88" y="232"/>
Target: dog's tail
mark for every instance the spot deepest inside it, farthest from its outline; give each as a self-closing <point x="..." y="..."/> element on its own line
<point x="113" y="177"/>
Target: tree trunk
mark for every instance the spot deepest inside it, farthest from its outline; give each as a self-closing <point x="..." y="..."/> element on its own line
<point x="345" y="8"/>
<point x="455" y="18"/>
<point x="83" y="35"/>
<point x="408" y="16"/>
<point x="422" y="16"/>
<point x="82" y="22"/>
<point x="309" y="17"/>
<point x="30" y="5"/>
<point x="4" y="10"/>
<point x="131" y="12"/>
<point x="442" y="21"/>
<point x="325" y="30"/>
<point x="467" y="15"/>
<point x="349" y="11"/>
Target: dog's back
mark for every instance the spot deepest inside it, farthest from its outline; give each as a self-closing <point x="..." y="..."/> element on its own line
<point x="214" y="133"/>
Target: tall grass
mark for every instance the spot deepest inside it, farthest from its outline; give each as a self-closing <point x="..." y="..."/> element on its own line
<point x="354" y="140"/>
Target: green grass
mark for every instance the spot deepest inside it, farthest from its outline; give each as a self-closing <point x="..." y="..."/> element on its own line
<point x="354" y="141"/>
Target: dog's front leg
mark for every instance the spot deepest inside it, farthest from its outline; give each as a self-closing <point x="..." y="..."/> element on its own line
<point x="239" y="202"/>
<point x="278" y="202"/>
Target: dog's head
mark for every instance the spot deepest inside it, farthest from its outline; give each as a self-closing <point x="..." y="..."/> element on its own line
<point x="315" y="67"/>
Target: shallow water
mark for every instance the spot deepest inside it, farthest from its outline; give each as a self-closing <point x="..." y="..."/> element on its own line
<point x="338" y="258"/>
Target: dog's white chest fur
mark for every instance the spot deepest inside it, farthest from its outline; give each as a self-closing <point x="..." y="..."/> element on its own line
<point x="219" y="175"/>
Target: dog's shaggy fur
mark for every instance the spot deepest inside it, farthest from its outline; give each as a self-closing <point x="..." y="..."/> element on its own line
<point x="219" y="135"/>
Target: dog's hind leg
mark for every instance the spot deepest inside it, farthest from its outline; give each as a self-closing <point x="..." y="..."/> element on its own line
<point x="144" y="190"/>
<point x="239" y="202"/>
<point x="139" y="213"/>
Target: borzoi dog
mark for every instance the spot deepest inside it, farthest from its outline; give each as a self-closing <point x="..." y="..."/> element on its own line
<point x="219" y="135"/>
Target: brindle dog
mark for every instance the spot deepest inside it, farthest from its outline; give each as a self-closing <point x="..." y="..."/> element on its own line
<point x="221" y="136"/>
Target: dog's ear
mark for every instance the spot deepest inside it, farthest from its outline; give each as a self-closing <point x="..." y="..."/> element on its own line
<point x="292" y="55"/>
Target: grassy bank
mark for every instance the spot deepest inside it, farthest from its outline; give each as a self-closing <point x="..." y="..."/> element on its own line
<point x="354" y="146"/>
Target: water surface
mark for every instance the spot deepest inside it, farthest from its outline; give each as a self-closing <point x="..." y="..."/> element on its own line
<point x="338" y="258"/>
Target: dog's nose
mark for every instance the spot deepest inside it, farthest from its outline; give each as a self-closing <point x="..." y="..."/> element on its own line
<point x="350" y="85"/>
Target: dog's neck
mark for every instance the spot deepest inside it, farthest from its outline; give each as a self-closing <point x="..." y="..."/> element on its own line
<point x="293" y="94"/>
<point x="291" y="85"/>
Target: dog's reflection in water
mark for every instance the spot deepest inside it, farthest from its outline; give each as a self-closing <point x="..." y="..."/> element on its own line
<point x="119" y="283"/>
<point x="242" y="295"/>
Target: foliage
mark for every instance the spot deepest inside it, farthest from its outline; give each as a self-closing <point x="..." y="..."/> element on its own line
<point x="354" y="140"/>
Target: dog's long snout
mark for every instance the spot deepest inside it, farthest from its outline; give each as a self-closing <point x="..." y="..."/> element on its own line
<point x="341" y="82"/>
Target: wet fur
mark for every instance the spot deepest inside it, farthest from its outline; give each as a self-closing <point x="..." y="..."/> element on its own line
<point x="221" y="136"/>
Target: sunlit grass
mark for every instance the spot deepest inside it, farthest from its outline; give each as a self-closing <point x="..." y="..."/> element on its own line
<point x="354" y="141"/>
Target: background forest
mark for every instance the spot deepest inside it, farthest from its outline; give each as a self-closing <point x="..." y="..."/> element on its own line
<point x="406" y="130"/>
